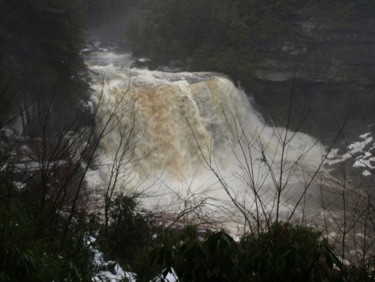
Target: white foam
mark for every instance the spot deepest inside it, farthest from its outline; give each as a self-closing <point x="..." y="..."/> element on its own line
<point x="185" y="122"/>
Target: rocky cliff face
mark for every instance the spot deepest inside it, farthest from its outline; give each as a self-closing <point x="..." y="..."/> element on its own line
<point x="333" y="62"/>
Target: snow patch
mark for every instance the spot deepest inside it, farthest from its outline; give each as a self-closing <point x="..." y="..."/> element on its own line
<point x="366" y="173"/>
<point x="170" y="277"/>
<point x="361" y="152"/>
<point x="109" y="271"/>
<point x="19" y="185"/>
<point x="365" y="135"/>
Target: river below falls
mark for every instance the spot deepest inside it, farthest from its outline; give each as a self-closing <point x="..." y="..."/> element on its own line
<point x="193" y="148"/>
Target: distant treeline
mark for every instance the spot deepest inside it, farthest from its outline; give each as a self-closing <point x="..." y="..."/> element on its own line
<point x="217" y="35"/>
<point x="225" y="35"/>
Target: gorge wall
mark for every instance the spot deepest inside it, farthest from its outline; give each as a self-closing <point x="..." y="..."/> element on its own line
<point x="332" y="57"/>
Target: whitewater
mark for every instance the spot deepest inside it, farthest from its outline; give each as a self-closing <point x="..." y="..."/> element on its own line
<point x="192" y="146"/>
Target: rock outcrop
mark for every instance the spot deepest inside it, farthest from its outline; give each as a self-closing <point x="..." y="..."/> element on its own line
<point x="333" y="62"/>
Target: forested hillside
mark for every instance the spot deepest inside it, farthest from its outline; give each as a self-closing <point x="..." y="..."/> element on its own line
<point x="40" y="60"/>
<point x="224" y="36"/>
<point x="42" y="79"/>
<point x="219" y="36"/>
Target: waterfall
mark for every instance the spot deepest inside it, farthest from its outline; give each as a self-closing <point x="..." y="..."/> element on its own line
<point x="180" y="137"/>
